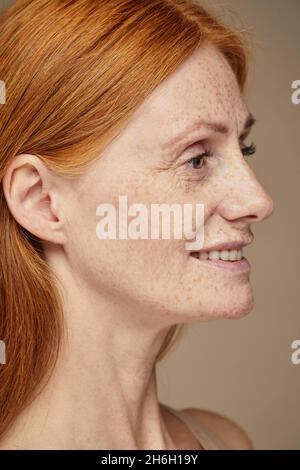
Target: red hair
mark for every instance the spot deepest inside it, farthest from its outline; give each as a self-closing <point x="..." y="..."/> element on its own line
<point x="75" y="71"/>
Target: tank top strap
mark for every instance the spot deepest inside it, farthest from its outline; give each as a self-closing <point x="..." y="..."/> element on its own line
<point x="206" y="438"/>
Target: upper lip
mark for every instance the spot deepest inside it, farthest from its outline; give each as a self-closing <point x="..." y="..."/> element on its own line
<point x="234" y="245"/>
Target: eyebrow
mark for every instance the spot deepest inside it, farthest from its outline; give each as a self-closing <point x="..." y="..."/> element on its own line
<point x="216" y="127"/>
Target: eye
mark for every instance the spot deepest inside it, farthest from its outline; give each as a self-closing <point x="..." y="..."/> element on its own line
<point x="198" y="161"/>
<point x="248" y="150"/>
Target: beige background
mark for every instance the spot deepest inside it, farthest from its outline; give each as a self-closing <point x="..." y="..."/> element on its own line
<point x="243" y="368"/>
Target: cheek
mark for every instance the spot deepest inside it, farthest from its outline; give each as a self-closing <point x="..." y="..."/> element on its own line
<point x="155" y="274"/>
<point x="118" y="265"/>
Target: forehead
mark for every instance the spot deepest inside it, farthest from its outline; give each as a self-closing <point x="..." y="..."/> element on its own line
<point x="202" y="87"/>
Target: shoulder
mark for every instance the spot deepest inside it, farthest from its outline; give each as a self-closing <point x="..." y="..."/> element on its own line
<point x="224" y="428"/>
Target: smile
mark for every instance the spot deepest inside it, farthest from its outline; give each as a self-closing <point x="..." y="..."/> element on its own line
<point x="225" y="255"/>
<point x="226" y="260"/>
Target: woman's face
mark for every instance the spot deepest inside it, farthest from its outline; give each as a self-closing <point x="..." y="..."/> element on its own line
<point x="153" y="161"/>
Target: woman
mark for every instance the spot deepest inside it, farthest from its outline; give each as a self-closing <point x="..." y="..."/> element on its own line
<point x="119" y="98"/>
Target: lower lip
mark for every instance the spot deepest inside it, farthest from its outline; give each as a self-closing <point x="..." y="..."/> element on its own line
<point x="240" y="266"/>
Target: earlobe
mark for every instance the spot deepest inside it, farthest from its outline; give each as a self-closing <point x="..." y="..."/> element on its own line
<point x="31" y="198"/>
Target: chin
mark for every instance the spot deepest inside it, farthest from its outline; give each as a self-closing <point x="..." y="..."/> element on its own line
<point x="240" y="308"/>
<point x="237" y="314"/>
<point x="232" y="307"/>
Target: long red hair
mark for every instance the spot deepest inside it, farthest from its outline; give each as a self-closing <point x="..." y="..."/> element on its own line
<point x="74" y="72"/>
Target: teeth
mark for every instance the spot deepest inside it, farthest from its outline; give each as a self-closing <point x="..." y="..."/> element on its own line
<point x="214" y="255"/>
<point x="225" y="255"/>
<point x="233" y="255"/>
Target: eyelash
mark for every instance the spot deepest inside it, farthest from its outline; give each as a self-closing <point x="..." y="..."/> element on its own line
<point x="246" y="151"/>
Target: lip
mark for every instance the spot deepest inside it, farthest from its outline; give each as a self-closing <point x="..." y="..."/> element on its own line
<point x="240" y="266"/>
<point x="235" y="245"/>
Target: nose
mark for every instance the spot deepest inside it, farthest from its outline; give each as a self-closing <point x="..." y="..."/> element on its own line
<point x="245" y="197"/>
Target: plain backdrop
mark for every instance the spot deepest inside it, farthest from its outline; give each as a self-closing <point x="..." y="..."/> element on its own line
<point x="243" y="368"/>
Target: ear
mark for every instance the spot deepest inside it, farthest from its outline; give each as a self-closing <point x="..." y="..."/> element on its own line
<point x="33" y="198"/>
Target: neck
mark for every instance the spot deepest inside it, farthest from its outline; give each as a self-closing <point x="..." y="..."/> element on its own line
<point x="103" y="392"/>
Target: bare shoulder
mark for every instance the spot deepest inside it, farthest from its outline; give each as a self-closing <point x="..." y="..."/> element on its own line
<point x="224" y="428"/>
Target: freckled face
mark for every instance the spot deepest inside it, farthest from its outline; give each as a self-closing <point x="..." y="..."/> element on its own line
<point x="153" y="160"/>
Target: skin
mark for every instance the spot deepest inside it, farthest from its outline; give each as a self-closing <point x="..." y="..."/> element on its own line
<point x="121" y="296"/>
